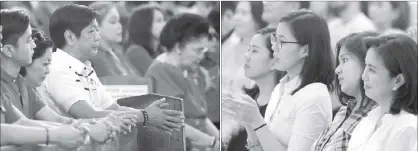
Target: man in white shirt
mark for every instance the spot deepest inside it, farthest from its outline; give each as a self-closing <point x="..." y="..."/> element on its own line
<point x="73" y="89"/>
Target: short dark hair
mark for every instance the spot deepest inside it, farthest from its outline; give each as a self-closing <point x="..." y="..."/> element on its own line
<point x="312" y="30"/>
<point x="42" y="44"/>
<point x="182" y="28"/>
<point x="140" y="27"/>
<point x="399" y="55"/>
<point x="71" y="17"/>
<point x="354" y="44"/>
<point x="402" y="21"/>
<point x="15" y="23"/>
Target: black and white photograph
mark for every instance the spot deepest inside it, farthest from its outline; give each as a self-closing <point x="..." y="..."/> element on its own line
<point x="110" y="76"/>
<point x="319" y="76"/>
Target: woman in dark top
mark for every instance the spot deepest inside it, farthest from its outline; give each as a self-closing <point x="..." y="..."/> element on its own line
<point x="145" y="25"/>
<point x="185" y="39"/>
<point x="257" y="67"/>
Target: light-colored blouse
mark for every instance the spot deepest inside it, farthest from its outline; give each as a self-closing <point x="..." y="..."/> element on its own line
<point x="297" y="120"/>
<point x="396" y="132"/>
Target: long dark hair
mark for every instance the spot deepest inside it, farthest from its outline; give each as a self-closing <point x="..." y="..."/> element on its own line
<point x="140" y="27"/>
<point x="312" y="30"/>
<point x="354" y="44"/>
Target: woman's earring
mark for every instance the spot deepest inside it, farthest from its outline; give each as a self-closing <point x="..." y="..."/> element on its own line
<point x="394" y="88"/>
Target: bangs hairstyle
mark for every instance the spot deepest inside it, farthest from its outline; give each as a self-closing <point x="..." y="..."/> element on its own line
<point x="312" y="30"/>
<point x="140" y="27"/>
<point x="42" y="44"/>
<point x="182" y="28"/>
<point x="354" y="43"/>
<point x="72" y="17"/>
<point x="14" y="22"/>
<point x="399" y="55"/>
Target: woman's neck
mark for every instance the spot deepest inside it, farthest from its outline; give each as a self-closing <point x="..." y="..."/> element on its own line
<point x="266" y="85"/>
<point x="385" y="103"/>
<point x="295" y="70"/>
<point x="358" y="98"/>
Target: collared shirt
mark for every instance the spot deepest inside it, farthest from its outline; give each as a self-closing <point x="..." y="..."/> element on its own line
<point x="8" y="113"/>
<point x="395" y="133"/>
<point x="70" y="81"/>
<point x="338" y="134"/>
<point x="17" y="91"/>
<point x="297" y="120"/>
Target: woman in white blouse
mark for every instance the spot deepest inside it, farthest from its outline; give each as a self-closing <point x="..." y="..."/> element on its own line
<point x="390" y="79"/>
<point x="300" y="107"/>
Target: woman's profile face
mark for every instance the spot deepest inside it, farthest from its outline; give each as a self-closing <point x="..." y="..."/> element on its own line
<point x="39" y="69"/>
<point x="286" y="55"/>
<point x="243" y="19"/>
<point x="193" y="51"/>
<point x="258" y="61"/>
<point x="378" y="83"/>
<point x="349" y="71"/>
<point x="111" y="28"/>
<point x="158" y="23"/>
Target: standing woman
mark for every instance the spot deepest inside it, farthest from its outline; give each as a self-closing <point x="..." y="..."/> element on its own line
<point x="300" y="106"/>
<point x="351" y="51"/>
<point x="257" y="66"/>
<point x="390" y="79"/>
<point x="185" y="39"/>
<point x="145" y="25"/>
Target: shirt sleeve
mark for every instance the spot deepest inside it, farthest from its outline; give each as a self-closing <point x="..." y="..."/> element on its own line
<point x="36" y="102"/>
<point x="11" y="113"/>
<point x="64" y="89"/>
<point x="310" y="121"/>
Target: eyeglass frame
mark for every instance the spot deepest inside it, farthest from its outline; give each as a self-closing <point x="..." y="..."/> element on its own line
<point x="275" y="40"/>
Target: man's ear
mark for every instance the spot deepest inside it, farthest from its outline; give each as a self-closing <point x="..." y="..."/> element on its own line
<point x="69" y="37"/>
<point x="8" y="50"/>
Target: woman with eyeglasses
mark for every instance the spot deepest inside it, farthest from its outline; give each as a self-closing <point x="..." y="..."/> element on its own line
<point x="300" y="106"/>
<point x="351" y="51"/>
<point x="185" y="39"/>
<point x="390" y="79"/>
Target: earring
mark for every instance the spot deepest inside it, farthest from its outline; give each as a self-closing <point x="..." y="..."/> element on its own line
<point x="394" y="88"/>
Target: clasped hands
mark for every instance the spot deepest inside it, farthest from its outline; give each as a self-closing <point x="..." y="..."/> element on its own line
<point x="243" y="109"/>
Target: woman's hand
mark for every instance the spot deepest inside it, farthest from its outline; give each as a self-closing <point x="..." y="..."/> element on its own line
<point x="242" y="109"/>
<point x="166" y="120"/>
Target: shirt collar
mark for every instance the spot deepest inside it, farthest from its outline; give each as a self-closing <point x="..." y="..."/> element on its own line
<point x="291" y="84"/>
<point x="7" y="77"/>
<point x="67" y="59"/>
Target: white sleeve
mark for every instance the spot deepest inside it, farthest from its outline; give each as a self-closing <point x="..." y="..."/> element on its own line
<point x="64" y="90"/>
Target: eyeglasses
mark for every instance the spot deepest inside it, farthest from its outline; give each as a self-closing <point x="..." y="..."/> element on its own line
<point x="278" y="43"/>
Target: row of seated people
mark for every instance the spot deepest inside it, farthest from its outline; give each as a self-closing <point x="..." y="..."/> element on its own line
<point x="69" y="89"/>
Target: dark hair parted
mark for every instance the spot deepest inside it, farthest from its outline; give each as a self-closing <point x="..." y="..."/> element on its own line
<point x="182" y="28"/>
<point x="15" y="23"/>
<point x="140" y="27"/>
<point x="312" y="30"/>
<point x="71" y="17"/>
<point x="102" y="8"/>
<point x="42" y="44"/>
<point x="399" y="55"/>
<point x="354" y="43"/>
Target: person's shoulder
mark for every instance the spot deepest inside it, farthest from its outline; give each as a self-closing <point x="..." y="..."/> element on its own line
<point x="158" y="67"/>
<point x="405" y="120"/>
<point x="314" y="93"/>
<point x="135" y="49"/>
